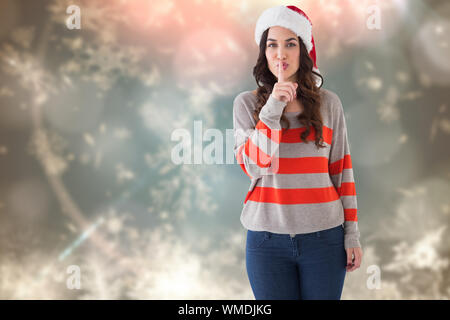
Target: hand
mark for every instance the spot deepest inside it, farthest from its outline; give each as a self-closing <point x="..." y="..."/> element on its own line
<point x="284" y="90"/>
<point x="353" y="262"/>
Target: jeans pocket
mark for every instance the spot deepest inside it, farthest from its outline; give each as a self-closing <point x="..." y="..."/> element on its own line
<point x="255" y="239"/>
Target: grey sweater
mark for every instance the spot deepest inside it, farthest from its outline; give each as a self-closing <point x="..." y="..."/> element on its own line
<point x="294" y="186"/>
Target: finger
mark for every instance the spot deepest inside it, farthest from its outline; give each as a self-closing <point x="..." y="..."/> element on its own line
<point x="282" y="91"/>
<point x="287" y="86"/>
<point x="358" y="259"/>
<point x="356" y="263"/>
<point x="355" y="266"/>
<point x="350" y="267"/>
<point x="290" y="86"/>
<point x="349" y="256"/>
<point x="289" y="93"/>
<point x="280" y="72"/>
<point x="294" y="89"/>
<point x="281" y="95"/>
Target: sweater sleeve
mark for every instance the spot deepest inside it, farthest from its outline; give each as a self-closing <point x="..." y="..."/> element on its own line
<point x="256" y="146"/>
<point x="341" y="173"/>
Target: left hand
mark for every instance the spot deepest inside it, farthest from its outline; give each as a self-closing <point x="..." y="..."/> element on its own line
<point x="354" y="257"/>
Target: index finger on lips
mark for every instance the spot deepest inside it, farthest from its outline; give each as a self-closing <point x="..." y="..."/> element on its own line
<point x="280" y="72"/>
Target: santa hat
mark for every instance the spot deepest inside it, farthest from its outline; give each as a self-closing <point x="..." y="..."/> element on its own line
<point x="294" y="19"/>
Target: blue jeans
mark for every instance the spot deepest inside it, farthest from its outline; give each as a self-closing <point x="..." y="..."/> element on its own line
<point x="307" y="266"/>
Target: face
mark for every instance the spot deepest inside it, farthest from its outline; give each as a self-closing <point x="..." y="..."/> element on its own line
<point x="282" y="46"/>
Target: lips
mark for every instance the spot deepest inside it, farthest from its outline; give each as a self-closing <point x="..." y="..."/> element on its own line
<point x="285" y="65"/>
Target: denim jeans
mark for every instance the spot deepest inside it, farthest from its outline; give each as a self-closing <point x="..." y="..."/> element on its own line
<point x="304" y="266"/>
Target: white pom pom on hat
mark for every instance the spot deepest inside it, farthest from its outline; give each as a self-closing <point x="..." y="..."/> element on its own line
<point x="294" y="19"/>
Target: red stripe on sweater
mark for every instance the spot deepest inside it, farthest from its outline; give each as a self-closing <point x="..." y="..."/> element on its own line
<point x="292" y="196"/>
<point x="248" y="196"/>
<point x="273" y="134"/>
<point x="347" y="189"/>
<point x="290" y="165"/>
<point x="258" y="156"/>
<point x="303" y="165"/>
<point x="338" y="166"/>
<point x="350" y="215"/>
<point x="293" y="135"/>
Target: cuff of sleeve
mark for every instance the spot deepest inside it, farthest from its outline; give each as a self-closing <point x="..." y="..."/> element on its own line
<point x="273" y="109"/>
<point x="351" y="242"/>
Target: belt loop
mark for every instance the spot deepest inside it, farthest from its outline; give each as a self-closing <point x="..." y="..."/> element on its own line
<point x="318" y="234"/>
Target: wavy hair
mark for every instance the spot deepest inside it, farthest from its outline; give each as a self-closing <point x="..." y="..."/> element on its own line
<point x="307" y="90"/>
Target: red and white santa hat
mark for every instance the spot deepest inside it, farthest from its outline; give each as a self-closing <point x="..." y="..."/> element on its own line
<point x="294" y="19"/>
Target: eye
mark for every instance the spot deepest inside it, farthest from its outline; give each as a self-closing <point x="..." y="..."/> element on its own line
<point x="293" y="44"/>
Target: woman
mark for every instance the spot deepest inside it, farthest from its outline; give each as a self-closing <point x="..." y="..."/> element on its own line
<point x="291" y="140"/>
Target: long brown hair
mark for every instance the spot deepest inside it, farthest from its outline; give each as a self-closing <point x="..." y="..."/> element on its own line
<point x="307" y="90"/>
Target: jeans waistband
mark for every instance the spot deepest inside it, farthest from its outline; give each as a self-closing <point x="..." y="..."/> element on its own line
<point x="292" y="235"/>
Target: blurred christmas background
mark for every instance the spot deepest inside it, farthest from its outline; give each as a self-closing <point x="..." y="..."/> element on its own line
<point x="86" y="118"/>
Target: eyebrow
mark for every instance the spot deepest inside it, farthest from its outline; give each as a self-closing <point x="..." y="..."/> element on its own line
<point x="284" y="40"/>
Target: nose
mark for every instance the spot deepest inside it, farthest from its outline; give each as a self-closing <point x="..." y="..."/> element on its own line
<point x="280" y="59"/>
<point x="280" y="54"/>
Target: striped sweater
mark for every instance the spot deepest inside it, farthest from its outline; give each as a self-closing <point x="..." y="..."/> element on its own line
<point x="294" y="186"/>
